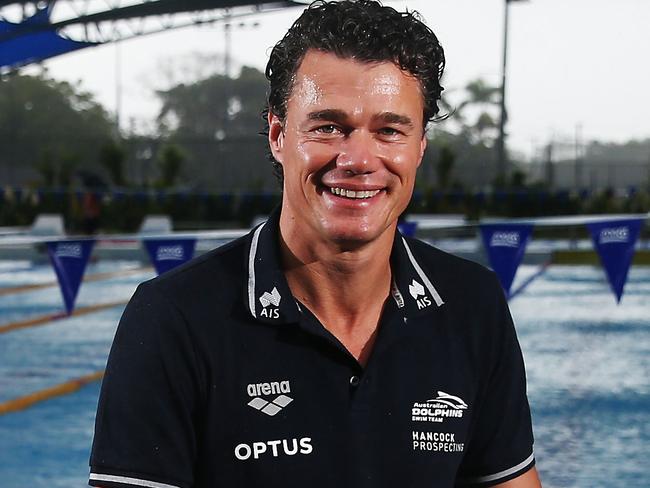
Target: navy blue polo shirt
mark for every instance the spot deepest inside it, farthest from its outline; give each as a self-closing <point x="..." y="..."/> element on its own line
<point x="218" y="377"/>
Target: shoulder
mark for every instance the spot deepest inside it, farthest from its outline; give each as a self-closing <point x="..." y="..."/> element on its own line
<point x="212" y="279"/>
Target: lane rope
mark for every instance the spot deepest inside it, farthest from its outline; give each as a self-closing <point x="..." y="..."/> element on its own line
<point x="46" y="319"/>
<point x="540" y="271"/>
<point x="24" y="402"/>
<point x="93" y="277"/>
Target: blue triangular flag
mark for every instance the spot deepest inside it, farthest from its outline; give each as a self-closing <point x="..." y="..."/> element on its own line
<point x="505" y="245"/>
<point x="166" y="254"/>
<point x="614" y="242"/>
<point x="407" y="228"/>
<point x="69" y="259"/>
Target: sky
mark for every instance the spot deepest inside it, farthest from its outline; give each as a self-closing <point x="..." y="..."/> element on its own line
<point x="576" y="68"/>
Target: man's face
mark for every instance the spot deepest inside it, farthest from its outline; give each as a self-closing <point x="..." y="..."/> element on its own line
<point x="350" y="146"/>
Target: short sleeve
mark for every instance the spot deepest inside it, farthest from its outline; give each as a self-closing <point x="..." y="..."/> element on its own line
<point x="501" y="443"/>
<point x="144" y="429"/>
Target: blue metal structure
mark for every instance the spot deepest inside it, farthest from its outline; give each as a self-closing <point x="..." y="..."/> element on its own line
<point x="34" y="31"/>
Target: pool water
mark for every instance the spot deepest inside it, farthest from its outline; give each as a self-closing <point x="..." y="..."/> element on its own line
<point x="588" y="365"/>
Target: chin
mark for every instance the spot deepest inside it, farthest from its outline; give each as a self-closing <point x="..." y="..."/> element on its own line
<point x="350" y="234"/>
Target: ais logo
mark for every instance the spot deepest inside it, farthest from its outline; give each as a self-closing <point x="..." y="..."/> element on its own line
<point x="270" y="303"/>
<point x="419" y="295"/>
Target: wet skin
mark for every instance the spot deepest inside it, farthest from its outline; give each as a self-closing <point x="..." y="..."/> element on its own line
<point x="350" y="127"/>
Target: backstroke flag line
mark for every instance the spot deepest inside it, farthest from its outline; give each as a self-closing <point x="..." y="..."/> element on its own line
<point x="166" y="254"/>
<point x="614" y="242"/>
<point x="69" y="259"/>
<point x="505" y="245"/>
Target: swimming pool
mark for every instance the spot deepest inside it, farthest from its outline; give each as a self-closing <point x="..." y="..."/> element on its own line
<point x="588" y="363"/>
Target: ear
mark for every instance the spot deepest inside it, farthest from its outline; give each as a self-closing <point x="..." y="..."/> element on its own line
<point x="276" y="136"/>
<point x="423" y="146"/>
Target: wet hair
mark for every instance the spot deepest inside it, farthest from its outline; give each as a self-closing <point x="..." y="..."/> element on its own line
<point x="363" y="30"/>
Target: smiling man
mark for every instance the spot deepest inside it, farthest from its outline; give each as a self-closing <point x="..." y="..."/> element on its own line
<point x="325" y="349"/>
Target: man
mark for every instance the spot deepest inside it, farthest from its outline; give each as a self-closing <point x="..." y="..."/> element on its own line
<point x="324" y="349"/>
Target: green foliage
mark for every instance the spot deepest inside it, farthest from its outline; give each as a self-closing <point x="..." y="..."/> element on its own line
<point x="475" y="117"/>
<point x="48" y="127"/>
<point x="468" y="133"/>
<point x="518" y="179"/>
<point x="216" y="122"/>
<point x="445" y="166"/>
<point x="637" y="151"/>
<point x="112" y="157"/>
<point x="216" y="107"/>
<point x="170" y="163"/>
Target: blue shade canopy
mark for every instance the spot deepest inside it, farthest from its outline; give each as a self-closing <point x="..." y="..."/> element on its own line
<point x="37" y="38"/>
<point x="31" y="41"/>
<point x="35" y="47"/>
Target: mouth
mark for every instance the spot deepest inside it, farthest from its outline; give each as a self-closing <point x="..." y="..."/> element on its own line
<point x="353" y="194"/>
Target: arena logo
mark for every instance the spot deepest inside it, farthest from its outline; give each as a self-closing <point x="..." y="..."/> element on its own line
<point x="269" y="407"/>
<point x="505" y="239"/>
<point x="614" y="235"/>
<point x="68" y="250"/>
<point x="272" y="388"/>
<point x="274" y="448"/>
<point x="170" y="253"/>
<point x="438" y="409"/>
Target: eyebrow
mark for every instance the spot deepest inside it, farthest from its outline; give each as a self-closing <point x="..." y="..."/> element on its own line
<point x="336" y="115"/>
<point x="330" y="114"/>
<point x="393" y="118"/>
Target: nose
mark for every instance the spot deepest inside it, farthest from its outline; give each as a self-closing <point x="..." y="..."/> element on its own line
<point x="358" y="153"/>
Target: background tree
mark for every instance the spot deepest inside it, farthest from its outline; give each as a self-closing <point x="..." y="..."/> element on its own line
<point x="170" y="163"/>
<point x="48" y="128"/>
<point x="112" y="157"/>
<point x="216" y="122"/>
<point x="445" y="166"/>
<point x="468" y="131"/>
<point x="477" y="112"/>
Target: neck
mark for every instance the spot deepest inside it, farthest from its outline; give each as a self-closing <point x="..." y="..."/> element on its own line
<point x="344" y="284"/>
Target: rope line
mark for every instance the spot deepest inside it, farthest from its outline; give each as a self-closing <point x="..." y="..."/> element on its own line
<point x="93" y="277"/>
<point x="540" y="271"/>
<point x="46" y="319"/>
<point x="21" y="403"/>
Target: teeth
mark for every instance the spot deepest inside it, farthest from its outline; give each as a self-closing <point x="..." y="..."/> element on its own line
<point x="354" y="194"/>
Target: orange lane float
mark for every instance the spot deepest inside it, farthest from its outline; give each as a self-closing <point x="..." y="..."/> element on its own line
<point x="21" y="403"/>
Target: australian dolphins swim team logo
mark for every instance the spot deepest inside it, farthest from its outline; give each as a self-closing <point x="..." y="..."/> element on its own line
<point x="437" y="409"/>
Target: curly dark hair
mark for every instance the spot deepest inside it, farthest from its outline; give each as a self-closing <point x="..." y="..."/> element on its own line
<point x="364" y="30"/>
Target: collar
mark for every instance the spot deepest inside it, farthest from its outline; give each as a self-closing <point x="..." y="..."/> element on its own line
<point x="411" y="287"/>
<point x="268" y="296"/>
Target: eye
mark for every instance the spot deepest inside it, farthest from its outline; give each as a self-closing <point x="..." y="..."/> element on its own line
<point x="389" y="131"/>
<point x="327" y="129"/>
